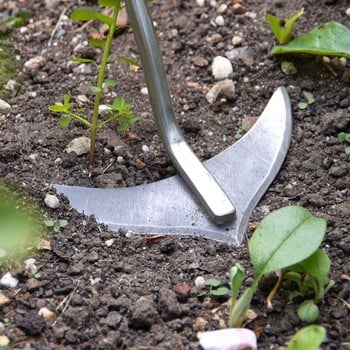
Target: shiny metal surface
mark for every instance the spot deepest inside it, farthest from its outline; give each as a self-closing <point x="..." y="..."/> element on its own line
<point x="245" y="170"/>
<point x="202" y="183"/>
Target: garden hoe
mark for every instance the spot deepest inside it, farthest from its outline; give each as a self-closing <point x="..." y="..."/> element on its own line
<point x="214" y="199"/>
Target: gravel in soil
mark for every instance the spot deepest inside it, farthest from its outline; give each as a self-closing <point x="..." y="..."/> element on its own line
<point x="107" y="290"/>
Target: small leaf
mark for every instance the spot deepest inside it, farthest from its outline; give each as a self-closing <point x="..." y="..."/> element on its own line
<point x="220" y="292"/>
<point x="308" y="312"/>
<point x="49" y="223"/>
<point x="237" y="277"/>
<point x="60" y="107"/>
<point x="330" y="39"/>
<point x="109" y="83"/>
<point x="302" y="105"/>
<point x="83" y="60"/>
<point x="108" y="3"/>
<point x="283" y="34"/>
<point x="347" y="150"/>
<point x="66" y="98"/>
<point x="62" y="223"/>
<point x="275" y="243"/>
<point x="129" y="61"/>
<point x="308" y="338"/>
<point x="212" y="282"/>
<point x="86" y="14"/>
<point x="97" y="42"/>
<point x="65" y="121"/>
<point x="95" y="89"/>
<point x="344" y="137"/>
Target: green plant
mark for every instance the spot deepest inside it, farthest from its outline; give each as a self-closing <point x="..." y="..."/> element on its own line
<point x="275" y="246"/>
<point x="23" y="17"/>
<point x="119" y="110"/>
<point x="215" y="288"/>
<point x="309" y="101"/>
<point x="329" y="39"/>
<point x="283" y="29"/>
<point x="56" y="226"/>
<point x="308" y="338"/>
<point x="345" y="138"/>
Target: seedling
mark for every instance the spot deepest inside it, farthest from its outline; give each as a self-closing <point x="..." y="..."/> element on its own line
<point x="23" y="17"/>
<point x="215" y="288"/>
<point x="309" y="101"/>
<point x="308" y="338"/>
<point x="119" y="110"/>
<point x="345" y="138"/>
<point x="275" y="246"/>
<point x="283" y="30"/>
<point x="330" y="39"/>
<point x="56" y="226"/>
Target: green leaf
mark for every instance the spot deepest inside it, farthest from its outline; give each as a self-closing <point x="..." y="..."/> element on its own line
<point x="347" y="150"/>
<point x="129" y="61"/>
<point x="95" y="89"/>
<point x="109" y="83"/>
<point x="344" y="137"/>
<point x="97" y="42"/>
<point x="108" y="3"/>
<point x="302" y="105"/>
<point x="62" y="223"/>
<point x="284" y="238"/>
<point x="60" y="107"/>
<point x="212" y="282"/>
<point x="330" y="39"/>
<point x="308" y="338"/>
<point x="83" y="60"/>
<point x="239" y="311"/>
<point x="308" y="312"/>
<point x="86" y="14"/>
<point x="283" y="34"/>
<point x="65" y="121"/>
<point x="66" y="98"/>
<point x="220" y="292"/>
<point x="237" y="277"/>
<point x="49" y="223"/>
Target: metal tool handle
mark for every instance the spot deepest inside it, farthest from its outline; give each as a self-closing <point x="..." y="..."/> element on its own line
<point x="215" y="201"/>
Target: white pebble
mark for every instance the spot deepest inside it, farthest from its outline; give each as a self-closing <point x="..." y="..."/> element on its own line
<point x="219" y="20"/>
<point x="347" y="12"/>
<point x="79" y="145"/>
<point x="144" y="91"/>
<point x="7" y="280"/>
<point x="10" y="85"/>
<point x="213" y="3"/>
<point x="120" y="160"/>
<point x="199" y="282"/>
<point x="35" y="63"/>
<point x="200" y="3"/>
<point x="47" y="314"/>
<point x="103" y="108"/>
<point x="237" y="40"/>
<point x="221" y="67"/>
<point x="30" y="264"/>
<point x="326" y="60"/>
<point x="145" y="148"/>
<point x="4" y="106"/>
<point x="222" y="8"/>
<point x="52" y="201"/>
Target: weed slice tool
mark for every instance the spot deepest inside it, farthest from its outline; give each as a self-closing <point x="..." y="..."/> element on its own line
<point x="214" y="199"/>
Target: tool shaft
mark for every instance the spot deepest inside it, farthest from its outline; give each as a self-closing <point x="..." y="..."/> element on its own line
<point x="209" y="193"/>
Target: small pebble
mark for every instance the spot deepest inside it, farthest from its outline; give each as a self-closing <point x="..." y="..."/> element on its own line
<point x="199" y="282"/>
<point x="79" y="145"/>
<point x="288" y="68"/>
<point x="237" y="40"/>
<point x="144" y="91"/>
<point x="4" y="341"/>
<point x="219" y="20"/>
<point x="7" y="280"/>
<point x="35" y="63"/>
<point x="221" y="67"/>
<point x="47" y="314"/>
<point x="347" y="12"/>
<point x="103" y="108"/>
<point x="200" y="3"/>
<point x="4" y="106"/>
<point x="145" y="148"/>
<point x="222" y="8"/>
<point x="52" y="201"/>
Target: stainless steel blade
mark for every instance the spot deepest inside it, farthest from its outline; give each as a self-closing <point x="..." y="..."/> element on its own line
<point x="245" y="170"/>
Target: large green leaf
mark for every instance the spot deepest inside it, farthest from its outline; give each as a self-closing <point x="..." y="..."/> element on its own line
<point x="284" y="238"/>
<point x="330" y="39"/>
<point x="85" y="14"/>
<point x="308" y="338"/>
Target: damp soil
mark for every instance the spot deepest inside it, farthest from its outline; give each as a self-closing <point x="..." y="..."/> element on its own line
<point x="114" y="290"/>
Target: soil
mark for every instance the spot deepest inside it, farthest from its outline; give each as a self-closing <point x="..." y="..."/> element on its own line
<point x="113" y="290"/>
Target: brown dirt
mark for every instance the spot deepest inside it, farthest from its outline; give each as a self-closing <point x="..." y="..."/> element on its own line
<point x="123" y="296"/>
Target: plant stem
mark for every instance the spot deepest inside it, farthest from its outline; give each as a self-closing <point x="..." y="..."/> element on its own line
<point x="274" y="291"/>
<point x="100" y="81"/>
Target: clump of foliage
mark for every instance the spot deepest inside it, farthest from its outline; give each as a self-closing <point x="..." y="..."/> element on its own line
<point x="329" y="39"/>
<point x="21" y="225"/>
<point x="287" y="241"/>
<point x="345" y="138"/>
<point x="215" y="288"/>
<point x="56" y="225"/>
<point x="119" y="110"/>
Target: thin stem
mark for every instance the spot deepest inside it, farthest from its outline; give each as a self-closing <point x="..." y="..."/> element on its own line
<point x="100" y="80"/>
<point x="274" y="291"/>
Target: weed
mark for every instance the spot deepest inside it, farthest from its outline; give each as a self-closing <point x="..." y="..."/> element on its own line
<point x="276" y="246"/>
<point x="56" y="226"/>
<point x="345" y="138"/>
<point x="119" y="110"/>
<point x="215" y="288"/>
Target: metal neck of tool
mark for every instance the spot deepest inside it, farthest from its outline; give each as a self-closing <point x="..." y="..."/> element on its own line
<point x="209" y="193"/>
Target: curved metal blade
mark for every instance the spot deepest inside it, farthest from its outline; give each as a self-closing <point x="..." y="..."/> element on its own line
<point x="245" y="170"/>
